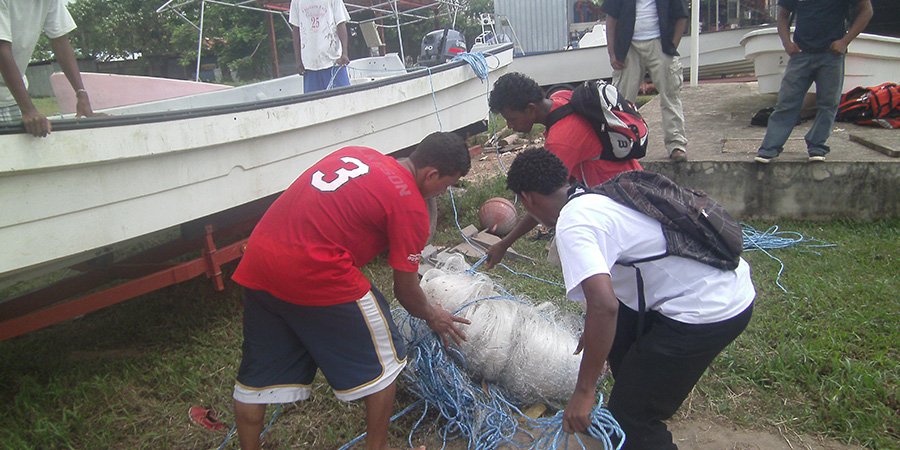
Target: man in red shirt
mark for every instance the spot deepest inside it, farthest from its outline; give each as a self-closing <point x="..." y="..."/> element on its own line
<point x="522" y="103"/>
<point x="307" y="304"/>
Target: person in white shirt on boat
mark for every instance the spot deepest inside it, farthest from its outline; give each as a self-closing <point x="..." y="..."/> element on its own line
<point x="21" y="23"/>
<point x="320" y="43"/>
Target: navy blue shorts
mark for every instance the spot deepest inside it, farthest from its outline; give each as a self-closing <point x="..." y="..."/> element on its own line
<point x="356" y="345"/>
<point x="320" y="80"/>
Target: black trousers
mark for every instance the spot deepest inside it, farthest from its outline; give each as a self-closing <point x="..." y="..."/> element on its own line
<point x="654" y="374"/>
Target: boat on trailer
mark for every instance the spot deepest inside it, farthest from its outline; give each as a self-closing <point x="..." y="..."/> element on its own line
<point x="100" y="181"/>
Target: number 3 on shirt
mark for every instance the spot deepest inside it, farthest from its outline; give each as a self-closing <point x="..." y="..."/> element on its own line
<point x="341" y="175"/>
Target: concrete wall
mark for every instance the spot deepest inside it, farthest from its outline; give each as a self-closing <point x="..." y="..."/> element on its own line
<point x="39" y="76"/>
<point x="821" y="191"/>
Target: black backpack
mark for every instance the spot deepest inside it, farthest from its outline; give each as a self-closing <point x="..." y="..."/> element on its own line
<point x="615" y="120"/>
<point x="694" y="225"/>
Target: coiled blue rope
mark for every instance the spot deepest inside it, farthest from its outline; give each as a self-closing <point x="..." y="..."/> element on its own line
<point x="772" y="239"/>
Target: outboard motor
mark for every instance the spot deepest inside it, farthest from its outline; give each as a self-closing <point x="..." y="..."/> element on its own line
<point x="439" y="46"/>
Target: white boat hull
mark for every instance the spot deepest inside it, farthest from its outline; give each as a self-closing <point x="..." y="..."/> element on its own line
<point x="870" y="60"/>
<point x="721" y="54"/>
<point x="101" y="182"/>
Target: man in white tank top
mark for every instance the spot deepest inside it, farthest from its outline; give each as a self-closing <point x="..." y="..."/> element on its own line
<point x="21" y="24"/>
<point x="642" y="36"/>
<point x="319" y="29"/>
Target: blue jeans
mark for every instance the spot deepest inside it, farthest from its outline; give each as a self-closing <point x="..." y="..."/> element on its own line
<point x="804" y="69"/>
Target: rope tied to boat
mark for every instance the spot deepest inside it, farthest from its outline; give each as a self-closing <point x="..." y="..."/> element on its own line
<point x="477" y="61"/>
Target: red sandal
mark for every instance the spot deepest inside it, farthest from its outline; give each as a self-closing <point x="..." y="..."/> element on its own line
<point x="206" y="418"/>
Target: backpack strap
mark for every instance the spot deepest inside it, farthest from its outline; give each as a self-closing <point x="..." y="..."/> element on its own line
<point x="557" y="114"/>
<point x="579" y="190"/>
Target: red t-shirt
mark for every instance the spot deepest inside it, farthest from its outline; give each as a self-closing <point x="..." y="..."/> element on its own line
<point x="574" y="142"/>
<point x="338" y="215"/>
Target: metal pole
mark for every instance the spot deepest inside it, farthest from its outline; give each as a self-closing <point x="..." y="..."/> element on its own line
<point x="399" y="34"/>
<point x="275" y="63"/>
<point x="200" y="40"/>
<point x="717" y="15"/>
<point x="695" y="42"/>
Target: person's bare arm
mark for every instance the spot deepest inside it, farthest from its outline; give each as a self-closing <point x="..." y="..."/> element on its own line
<point x="602" y="307"/>
<point x="412" y="298"/>
<point x="784" y="32"/>
<point x="611" y="43"/>
<point x="35" y="123"/>
<point x="66" y="58"/>
<point x="295" y="34"/>
<point x="497" y="251"/>
<point x="342" y="35"/>
<point x="863" y="15"/>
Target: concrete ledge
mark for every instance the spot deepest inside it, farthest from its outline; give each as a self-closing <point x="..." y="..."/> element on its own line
<point x="796" y="190"/>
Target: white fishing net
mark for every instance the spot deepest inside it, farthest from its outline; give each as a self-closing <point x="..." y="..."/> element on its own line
<point x="525" y="348"/>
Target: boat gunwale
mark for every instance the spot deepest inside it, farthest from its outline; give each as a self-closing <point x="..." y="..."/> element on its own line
<point x="208" y="111"/>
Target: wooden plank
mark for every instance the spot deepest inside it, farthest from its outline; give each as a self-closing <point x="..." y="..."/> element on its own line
<point x="892" y="152"/>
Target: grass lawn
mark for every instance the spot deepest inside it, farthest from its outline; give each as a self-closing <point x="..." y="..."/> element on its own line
<point x="46" y="105"/>
<point x="820" y="359"/>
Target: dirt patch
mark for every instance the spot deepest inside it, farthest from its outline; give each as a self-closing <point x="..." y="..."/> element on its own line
<point x="491" y="161"/>
<point x="704" y="434"/>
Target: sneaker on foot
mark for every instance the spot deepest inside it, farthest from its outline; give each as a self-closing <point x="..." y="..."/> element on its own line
<point x="678" y="155"/>
<point x="763" y="159"/>
<point x="816" y="158"/>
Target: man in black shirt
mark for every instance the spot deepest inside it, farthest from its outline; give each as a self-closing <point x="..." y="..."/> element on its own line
<point x="816" y="55"/>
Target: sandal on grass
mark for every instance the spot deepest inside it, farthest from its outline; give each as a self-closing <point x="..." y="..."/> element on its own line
<point x="206" y="418"/>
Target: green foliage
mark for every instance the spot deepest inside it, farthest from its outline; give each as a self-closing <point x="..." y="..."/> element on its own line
<point x="110" y="29"/>
<point x="236" y="38"/>
<point x="46" y="105"/>
<point x="823" y="356"/>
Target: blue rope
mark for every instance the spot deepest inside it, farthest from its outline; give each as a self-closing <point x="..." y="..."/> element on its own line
<point x="772" y="239"/>
<point x="434" y="100"/>
<point x="393" y="418"/>
<point x="477" y="61"/>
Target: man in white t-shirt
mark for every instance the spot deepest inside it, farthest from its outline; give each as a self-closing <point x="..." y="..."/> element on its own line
<point x="21" y="24"/>
<point x="693" y="310"/>
<point x="642" y="36"/>
<point x="320" y="43"/>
